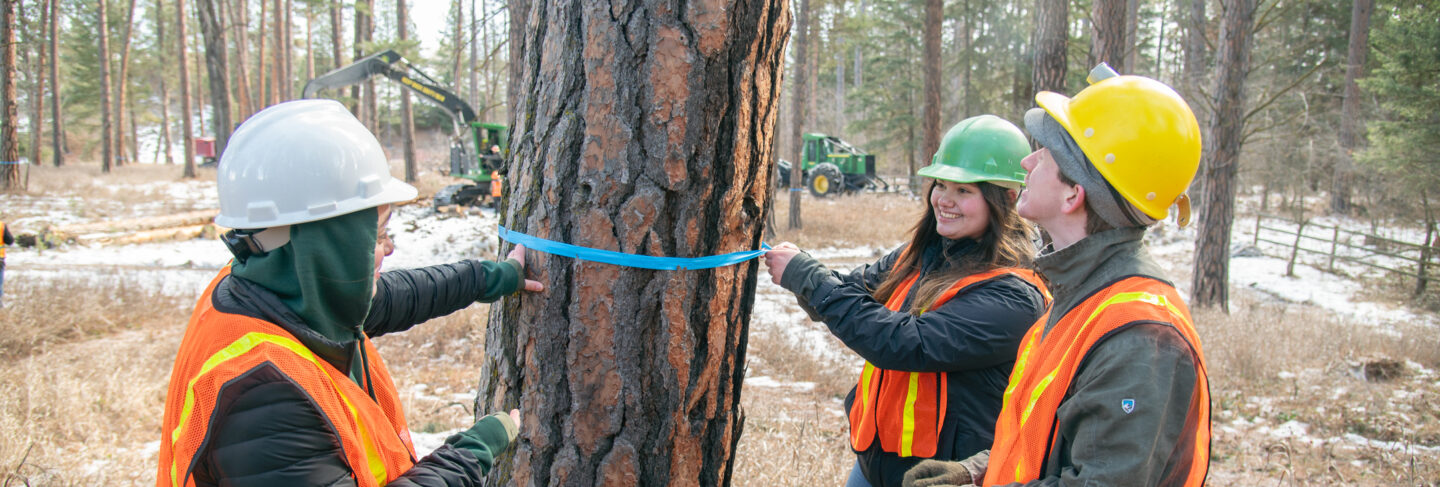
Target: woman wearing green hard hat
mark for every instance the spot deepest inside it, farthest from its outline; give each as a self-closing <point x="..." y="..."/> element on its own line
<point x="939" y="319"/>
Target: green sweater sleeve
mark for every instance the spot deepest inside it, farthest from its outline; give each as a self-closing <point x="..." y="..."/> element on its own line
<point x="490" y="436"/>
<point x="501" y="279"/>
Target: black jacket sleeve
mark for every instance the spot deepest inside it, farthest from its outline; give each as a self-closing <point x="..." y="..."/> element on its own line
<point x="8" y="238"/>
<point x="268" y="432"/>
<point x="407" y="297"/>
<point x="979" y="328"/>
<point x="868" y="277"/>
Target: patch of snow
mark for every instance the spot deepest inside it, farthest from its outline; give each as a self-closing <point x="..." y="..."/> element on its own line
<point x="766" y="381"/>
<point x="428" y="442"/>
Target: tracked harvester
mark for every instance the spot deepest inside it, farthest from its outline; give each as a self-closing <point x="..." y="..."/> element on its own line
<point x="481" y="162"/>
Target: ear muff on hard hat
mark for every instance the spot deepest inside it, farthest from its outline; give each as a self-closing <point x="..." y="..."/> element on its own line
<point x="302" y="161"/>
<point x="984" y="148"/>
<point x="1138" y="133"/>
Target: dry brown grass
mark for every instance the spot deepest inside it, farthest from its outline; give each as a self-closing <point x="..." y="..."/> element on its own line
<point x="878" y="220"/>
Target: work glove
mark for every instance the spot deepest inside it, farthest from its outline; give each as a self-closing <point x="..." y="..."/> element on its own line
<point x="490" y="436"/>
<point x="937" y="473"/>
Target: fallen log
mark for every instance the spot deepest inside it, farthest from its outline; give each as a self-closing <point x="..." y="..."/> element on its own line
<point x="189" y="218"/>
<point x="152" y="235"/>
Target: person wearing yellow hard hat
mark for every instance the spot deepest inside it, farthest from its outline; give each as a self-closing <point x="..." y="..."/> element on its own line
<point x="1110" y="388"/>
<point x="937" y="320"/>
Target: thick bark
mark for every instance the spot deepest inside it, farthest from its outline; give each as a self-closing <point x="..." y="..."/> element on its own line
<point x="1211" y="278"/>
<point x="407" y="121"/>
<point x="651" y="136"/>
<point x="107" y="127"/>
<point x="9" y="109"/>
<point x="1051" y="19"/>
<point x="58" y="147"/>
<point x="186" y="114"/>
<point x="797" y="121"/>
<point x="1107" y="40"/>
<point x="1350" y="105"/>
<point x="215" y="62"/>
<point x="122" y="90"/>
<point x="930" y="116"/>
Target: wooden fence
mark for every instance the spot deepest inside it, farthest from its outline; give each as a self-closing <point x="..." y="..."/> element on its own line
<point x="1337" y="244"/>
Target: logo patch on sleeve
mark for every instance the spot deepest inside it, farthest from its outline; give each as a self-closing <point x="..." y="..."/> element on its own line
<point x="1127" y="405"/>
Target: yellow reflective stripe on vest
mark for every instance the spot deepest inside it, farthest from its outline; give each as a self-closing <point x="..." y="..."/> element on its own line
<point x="240" y="347"/>
<point x="907" y="432"/>
<point x="1120" y="298"/>
<point x="867" y="374"/>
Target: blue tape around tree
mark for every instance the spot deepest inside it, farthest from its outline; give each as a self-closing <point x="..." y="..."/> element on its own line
<point x="629" y="260"/>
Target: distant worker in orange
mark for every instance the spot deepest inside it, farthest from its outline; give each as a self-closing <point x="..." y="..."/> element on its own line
<point x="1110" y="388"/>
<point x="5" y="239"/>
<point x="937" y="320"/>
<point x="277" y="381"/>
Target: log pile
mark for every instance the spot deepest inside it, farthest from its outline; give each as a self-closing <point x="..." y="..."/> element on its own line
<point x="180" y="226"/>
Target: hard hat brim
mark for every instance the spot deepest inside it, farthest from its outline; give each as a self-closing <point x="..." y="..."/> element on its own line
<point x="961" y="175"/>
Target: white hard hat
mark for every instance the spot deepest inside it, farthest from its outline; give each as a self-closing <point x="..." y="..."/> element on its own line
<point x="302" y="161"/>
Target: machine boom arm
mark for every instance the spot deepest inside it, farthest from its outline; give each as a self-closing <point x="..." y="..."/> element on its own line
<point x="381" y="63"/>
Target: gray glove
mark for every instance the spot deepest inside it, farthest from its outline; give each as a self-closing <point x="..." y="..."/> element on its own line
<point x="937" y="473"/>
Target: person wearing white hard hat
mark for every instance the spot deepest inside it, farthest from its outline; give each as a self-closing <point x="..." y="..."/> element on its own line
<point x="277" y="381"/>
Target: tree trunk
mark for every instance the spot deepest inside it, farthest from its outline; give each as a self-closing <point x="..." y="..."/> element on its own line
<point x="336" y="40"/>
<point x="1350" y="106"/>
<point x="407" y="121"/>
<point x="58" y="147"/>
<point x="215" y="62"/>
<point x="287" y="46"/>
<point x="240" y="17"/>
<point x="277" y="41"/>
<point x="1195" y="51"/>
<point x="309" y="42"/>
<point x="107" y="128"/>
<point x="165" y="141"/>
<point x="361" y="11"/>
<point x="371" y="115"/>
<point x="659" y="145"/>
<point x="262" y="73"/>
<point x="37" y="73"/>
<point x="9" y="109"/>
<point x="122" y="89"/>
<point x="1132" y="41"/>
<point x="967" y="72"/>
<point x="1107" y="41"/>
<point x="186" y="114"/>
<point x="797" y="121"/>
<point x="474" y="73"/>
<point x="1211" y="281"/>
<point x="930" y="116"/>
<point x="1051" y="19"/>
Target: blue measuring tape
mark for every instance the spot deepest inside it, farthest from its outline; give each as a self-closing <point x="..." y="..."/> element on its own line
<point x="629" y="260"/>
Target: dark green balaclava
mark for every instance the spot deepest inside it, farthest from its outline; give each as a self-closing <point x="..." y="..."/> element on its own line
<point x="325" y="274"/>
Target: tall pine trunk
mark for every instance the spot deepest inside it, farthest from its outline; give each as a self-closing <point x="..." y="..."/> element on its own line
<point x="240" y="18"/>
<point x="407" y="122"/>
<point x="122" y="90"/>
<point x="930" y="116"/>
<point x="9" y="108"/>
<point x="1107" y="41"/>
<point x="1359" y="47"/>
<point x="186" y="113"/>
<point x="37" y="73"/>
<point x="107" y="128"/>
<point x="798" y="108"/>
<point x="652" y="141"/>
<point x="215" y="62"/>
<point x="1211" y="278"/>
<point x="58" y="145"/>
<point x="1050" y="38"/>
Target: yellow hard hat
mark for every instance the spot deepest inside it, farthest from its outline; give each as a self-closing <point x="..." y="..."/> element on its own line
<point x="1138" y="133"/>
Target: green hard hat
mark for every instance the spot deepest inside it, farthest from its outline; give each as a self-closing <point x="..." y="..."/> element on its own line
<point x="983" y="148"/>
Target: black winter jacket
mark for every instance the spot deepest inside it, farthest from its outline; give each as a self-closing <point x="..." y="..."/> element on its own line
<point x="972" y="338"/>
<point x="267" y="432"/>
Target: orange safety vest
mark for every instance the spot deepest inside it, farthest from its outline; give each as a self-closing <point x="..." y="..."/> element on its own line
<point x="906" y="410"/>
<point x="494" y="184"/>
<point x="219" y="347"/>
<point x="1045" y="366"/>
<point x="2" y="240"/>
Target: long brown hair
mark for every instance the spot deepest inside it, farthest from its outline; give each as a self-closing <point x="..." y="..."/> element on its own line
<point x="1006" y="242"/>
